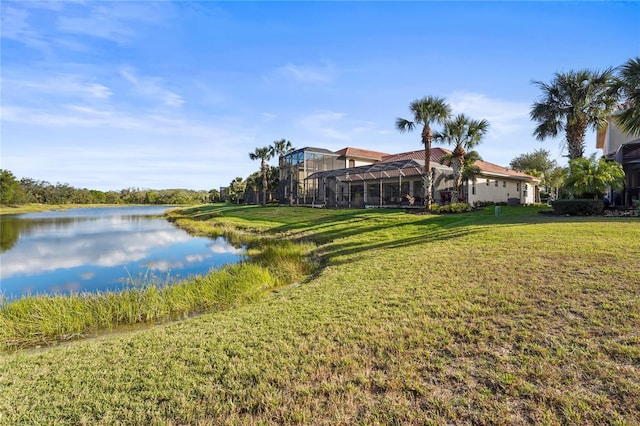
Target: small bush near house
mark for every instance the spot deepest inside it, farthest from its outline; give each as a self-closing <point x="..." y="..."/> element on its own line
<point x="489" y="203"/>
<point x="578" y="207"/>
<point x="452" y="208"/>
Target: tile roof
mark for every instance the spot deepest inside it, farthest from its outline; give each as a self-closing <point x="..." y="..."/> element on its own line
<point x="410" y="163"/>
<point x="436" y="154"/>
<point x="361" y="153"/>
<point x="487" y="168"/>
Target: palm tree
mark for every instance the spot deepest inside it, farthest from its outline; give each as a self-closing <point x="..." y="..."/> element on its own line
<point x="590" y="178"/>
<point x="627" y="85"/>
<point x="573" y="102"/>
<point x="470" y="170"/>
<point x="425" y="111"/>
<point x="281" y="147"/>
<point x="263" y="154"/>
<point x="463" y="133"/>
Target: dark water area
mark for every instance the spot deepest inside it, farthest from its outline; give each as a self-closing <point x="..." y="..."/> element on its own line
<point x="101" y="249"/>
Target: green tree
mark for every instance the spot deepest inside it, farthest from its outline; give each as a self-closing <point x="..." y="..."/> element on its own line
<point x="536" y="163"/>
<point x="426" y="111"/>
<point x="8" y="186"/>
<point x="214" y="196"/>
<point x="536" y="160"/>
<point x="236" y="190"/>
<point x="626" y="85"/>
<point x="470" y="170"/>
<point x="281" y="147"/>
<point x="463" y="133"/>
<point x="591" y="178"/>
<point x="555" y="182"/>
<point x="573" y="102"/>
<point x="263" y="154"/>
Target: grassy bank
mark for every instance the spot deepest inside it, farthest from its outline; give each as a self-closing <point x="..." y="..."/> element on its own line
<point x="45" y="319"/>
<point x="36" y="207"/>
<point x="466" y="319"/>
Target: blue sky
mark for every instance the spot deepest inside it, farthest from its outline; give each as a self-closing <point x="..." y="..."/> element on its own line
<point x="113" y="94"/>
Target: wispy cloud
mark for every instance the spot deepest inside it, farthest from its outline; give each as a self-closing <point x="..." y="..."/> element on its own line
<point x="115" y="22"/>
<point x="308" y="74"/>
<point x="334" y="125"/>
<point x="505" y="117"/>
<point x="15" y="26"/>
<point x="267" y="116"/>
<point x="324" y="123"/>
<point x="63" y="85"/>
<point x="151" y="87"/>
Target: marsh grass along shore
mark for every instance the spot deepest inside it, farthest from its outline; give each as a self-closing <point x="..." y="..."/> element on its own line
<point x="46" y="319"/>
<point x="412" y="319"/>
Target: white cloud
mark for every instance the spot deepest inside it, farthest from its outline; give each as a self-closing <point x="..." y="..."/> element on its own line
<point x="308" y="74"/>
<point x="504" y="117"/>
<point x="117" y="21"/>
<point x="151" y="87"/>
<point x="334" y="125"/>
<point x="62" y="85"/>
<point x="15" y="26"/>
<point x="266" y="117"/>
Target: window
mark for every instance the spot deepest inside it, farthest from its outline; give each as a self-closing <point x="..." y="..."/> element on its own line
<point x="518" y="186"/>
<point x="488" y="182"/>
<point x="352" y="163"/>
<point x="473" y="190"/>
<point x="496" y="183"/>
<point x="504" y="183"/>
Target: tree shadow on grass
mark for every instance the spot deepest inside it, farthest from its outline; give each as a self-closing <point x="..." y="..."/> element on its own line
<point x="347" y="250"/>
<point x="428" y="229"/>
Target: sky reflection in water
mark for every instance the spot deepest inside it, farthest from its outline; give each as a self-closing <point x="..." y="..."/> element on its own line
<point x="101" y="249"/>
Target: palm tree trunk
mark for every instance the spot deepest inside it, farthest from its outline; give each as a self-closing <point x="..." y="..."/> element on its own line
<point x="427" y="136"/>
<point x="575" y="134"/>
<point x="456" y="165"/>
<point x="263" y="165"/>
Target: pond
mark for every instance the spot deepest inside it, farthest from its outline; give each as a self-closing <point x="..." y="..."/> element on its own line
<point x="101" y="249"/>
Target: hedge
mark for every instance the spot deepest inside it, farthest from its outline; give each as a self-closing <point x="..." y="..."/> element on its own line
<point x="578" y="207"/>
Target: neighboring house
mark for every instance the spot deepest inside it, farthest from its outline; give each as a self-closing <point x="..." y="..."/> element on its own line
<point x="625" y="149"/>
<point x="354" y="177"/>
<point x="499" y="184"/>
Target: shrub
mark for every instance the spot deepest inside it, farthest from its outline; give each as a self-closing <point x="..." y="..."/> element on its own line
<point x="489" y="203"/>
<point x="578" y="207"/>
<point x="452" y="208"/>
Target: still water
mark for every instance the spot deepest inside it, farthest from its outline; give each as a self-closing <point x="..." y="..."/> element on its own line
<point x="100" y="249"/>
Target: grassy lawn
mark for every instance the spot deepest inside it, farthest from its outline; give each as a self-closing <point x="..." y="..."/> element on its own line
<point x="413" y="319"/>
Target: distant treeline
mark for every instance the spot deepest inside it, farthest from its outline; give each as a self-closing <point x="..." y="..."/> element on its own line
<point x="27" y="190"/>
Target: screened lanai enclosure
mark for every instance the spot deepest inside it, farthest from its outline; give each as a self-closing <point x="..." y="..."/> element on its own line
<point x="384" y="184"/>
<point x="296" y="167"/>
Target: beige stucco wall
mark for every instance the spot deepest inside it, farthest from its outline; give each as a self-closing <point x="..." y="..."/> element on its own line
<point x="506" y="188"/>
<point x="615" y="138"/>
<point x="357" y="162"/>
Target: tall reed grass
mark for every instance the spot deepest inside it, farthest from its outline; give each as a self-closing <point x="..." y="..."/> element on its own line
<point x="45" y="319"/>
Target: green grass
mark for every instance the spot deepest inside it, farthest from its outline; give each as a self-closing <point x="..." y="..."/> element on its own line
<point x="413" y="319"/>
<point x="46" y="319"/>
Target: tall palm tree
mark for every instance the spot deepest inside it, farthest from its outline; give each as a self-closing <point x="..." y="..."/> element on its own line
<point x="281" y="147"/>
<point x="573" y="102"/>
<point x="470" y="170"/>
<point x="464" y="134"/>
<point x="263" y="154"/>
<point x="426" y="111"/>
<point x="627" y="85"/>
